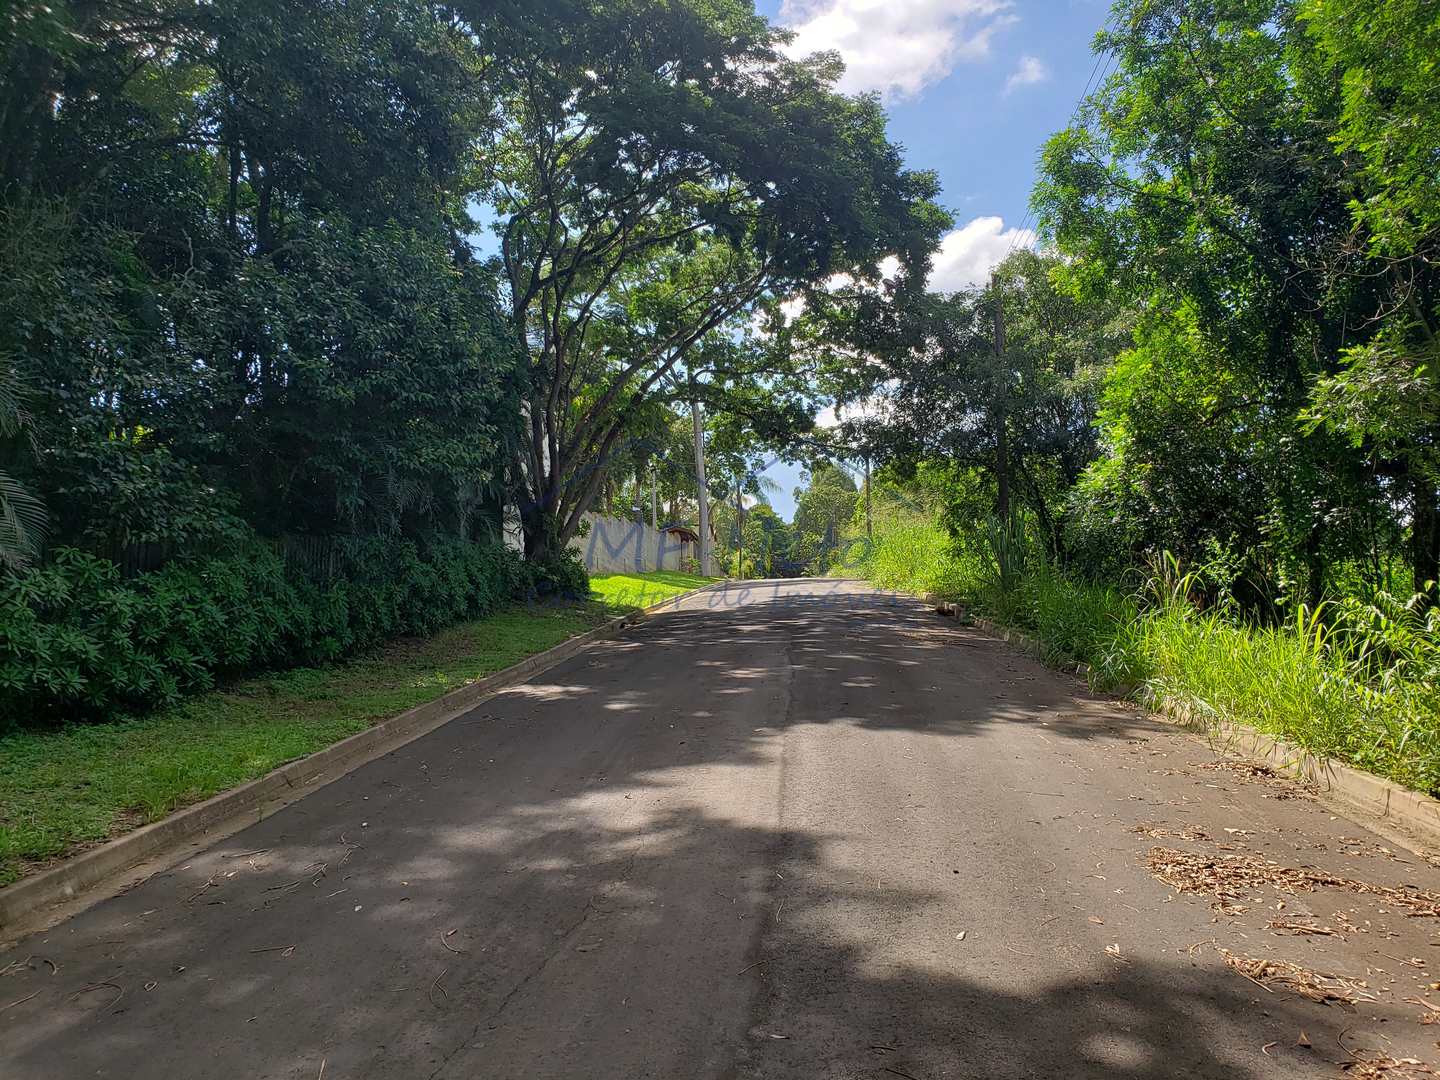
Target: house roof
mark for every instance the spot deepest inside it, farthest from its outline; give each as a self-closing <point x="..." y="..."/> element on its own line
<point x="684" y="532"/>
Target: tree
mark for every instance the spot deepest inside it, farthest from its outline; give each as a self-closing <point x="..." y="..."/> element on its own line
<point x="1385" y="399"/>
<point x="824" y="507"/>
<point x="935" y="387"/>
<point x="675" y="137"/>
<point x="233" y="276"/>
<point x="1202" y="185"/>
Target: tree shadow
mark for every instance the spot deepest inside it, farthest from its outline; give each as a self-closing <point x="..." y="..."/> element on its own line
<point x="596" y="876"/>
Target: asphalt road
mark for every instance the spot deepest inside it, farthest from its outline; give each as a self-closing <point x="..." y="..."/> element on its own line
<point x="802" y="830"/>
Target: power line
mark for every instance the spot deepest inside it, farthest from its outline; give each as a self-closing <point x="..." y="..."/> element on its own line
<point x="1090" y="84"/>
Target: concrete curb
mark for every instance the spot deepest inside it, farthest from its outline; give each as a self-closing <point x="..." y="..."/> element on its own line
<point x="1415" y="814"/>
<point x="196" y="827"/>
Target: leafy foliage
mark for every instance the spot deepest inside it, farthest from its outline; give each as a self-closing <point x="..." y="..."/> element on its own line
<point x="824" y="508"/>
<point x="644" y="203"/>
<point x="1249" y="180"/>
<point x="77" y="641"/>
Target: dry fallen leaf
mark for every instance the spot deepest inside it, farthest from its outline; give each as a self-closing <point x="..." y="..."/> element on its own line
<point x="1384" y="1067"/>
<point x="1113" y="951"/>
<point x="1230" y="878"/>
<point x="1317" y="986"/>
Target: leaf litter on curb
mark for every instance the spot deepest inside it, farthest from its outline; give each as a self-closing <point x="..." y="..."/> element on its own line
<point x="1249" y="769"/>
<point x="1289" y="787"/>
<point x="1232" y="878"/>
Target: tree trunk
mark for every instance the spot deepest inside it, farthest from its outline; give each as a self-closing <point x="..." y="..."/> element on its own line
<point x="697" y="419"/>
<point x="538" y="529"/>
<point x="1047" y="523"/>
<point x="1424" y="535"/>
<point x="869" y="527"/>
<point x="1002" y="426"/>
<point x="739" y="531"/>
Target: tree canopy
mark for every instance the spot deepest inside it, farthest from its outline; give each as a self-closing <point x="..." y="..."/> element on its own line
<point x="656" y="171"/>
<point x="248" y="286"/>
<point x="1225" y="350"/>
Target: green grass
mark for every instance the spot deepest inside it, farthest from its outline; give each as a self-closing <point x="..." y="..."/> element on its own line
<point x="911" y="552"/>
<point x="61" y="790"/>
<point x="629" y="592"/>
<point x="1361" y="684"/>
<point x="1301" y="680"/>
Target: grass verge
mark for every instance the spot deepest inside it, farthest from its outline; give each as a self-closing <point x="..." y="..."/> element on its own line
<point x="1359" y="682"/>
<point x="629" y="592"/>
<point x="64" y="789"/>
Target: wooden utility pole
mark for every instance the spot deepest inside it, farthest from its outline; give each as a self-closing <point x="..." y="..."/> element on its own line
<point x="697" y="418"/>
<point x="1002" y="429"/>
<point x="869" y="531"/>
<point x="739" y="531"/>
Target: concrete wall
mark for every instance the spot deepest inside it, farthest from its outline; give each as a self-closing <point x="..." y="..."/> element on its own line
<point x="615" y="546"/>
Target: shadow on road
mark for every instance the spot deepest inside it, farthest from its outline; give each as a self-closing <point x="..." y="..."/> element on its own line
<point x="592" y="877"/>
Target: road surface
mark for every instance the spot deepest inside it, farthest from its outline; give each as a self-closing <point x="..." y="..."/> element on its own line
<point x="799" y="830"/>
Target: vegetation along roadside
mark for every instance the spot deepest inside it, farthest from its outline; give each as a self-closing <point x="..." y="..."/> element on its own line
<point x="66" y="787"/>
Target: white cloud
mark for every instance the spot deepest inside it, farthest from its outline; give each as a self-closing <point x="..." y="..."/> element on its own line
<point x="968" y="254"/>
<point x="1031" y="70"/>
<point x="897" y="47"/>
<point x="965" y="259"/>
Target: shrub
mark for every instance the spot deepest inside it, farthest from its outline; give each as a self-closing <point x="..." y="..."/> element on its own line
<point x="561" y="577"/>
<point x="77" y="642"/>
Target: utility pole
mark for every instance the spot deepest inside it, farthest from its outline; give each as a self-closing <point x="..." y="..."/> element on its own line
<point x="654" y="500"/>
<point x="1002" y="431"/>
<point x="739" y="531"/>
<point x="697" y="419"/>
<point x="869" y="531"/>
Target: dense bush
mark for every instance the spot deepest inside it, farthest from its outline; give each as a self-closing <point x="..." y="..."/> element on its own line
<point x="77" y="641"/>
<point x="560" y="577"/>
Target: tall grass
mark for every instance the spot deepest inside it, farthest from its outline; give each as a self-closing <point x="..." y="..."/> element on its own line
<point x="1357" y="680"/>
<point x="1304" y="680"/>
<point x="910" y="552"/>
<point x="1075" y="620"/>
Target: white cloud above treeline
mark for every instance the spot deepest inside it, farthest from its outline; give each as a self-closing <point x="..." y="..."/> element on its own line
<point x="1028" y="72"/>
<point x="969" y="253"/>
<point x="897" y="47"/>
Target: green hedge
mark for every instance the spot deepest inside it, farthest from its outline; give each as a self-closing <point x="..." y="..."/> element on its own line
<point x="78" y="642"/>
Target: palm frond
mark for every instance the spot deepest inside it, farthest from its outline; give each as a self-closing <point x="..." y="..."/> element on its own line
<point x="23" y="524"/>
<point x="12" y="398"/>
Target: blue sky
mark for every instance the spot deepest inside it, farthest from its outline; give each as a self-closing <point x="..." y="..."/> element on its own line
<point x="973" y="88"/>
